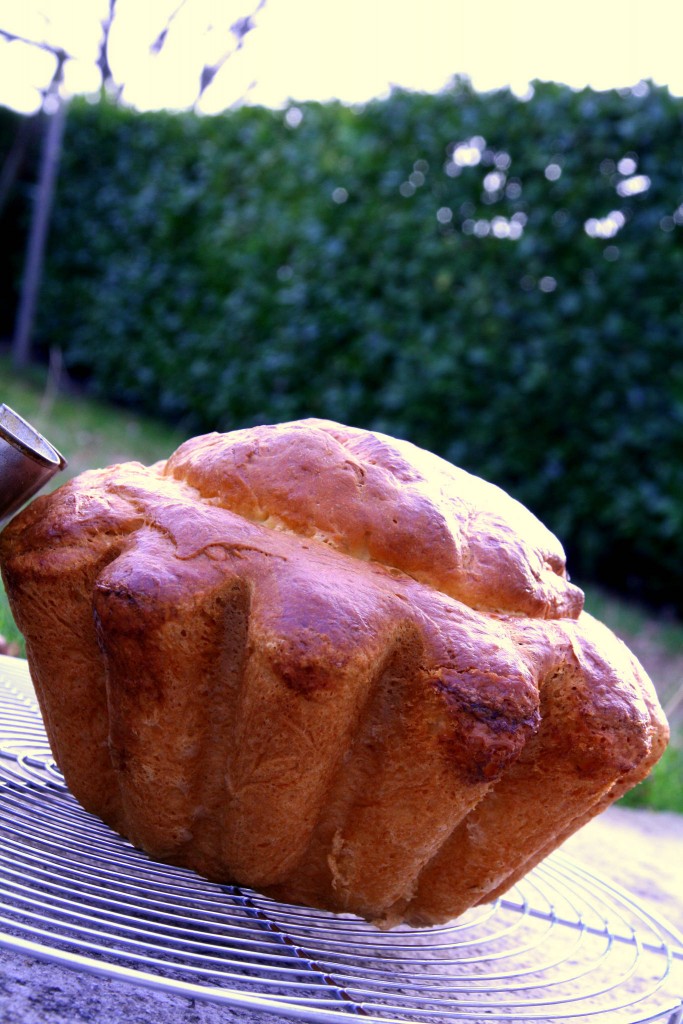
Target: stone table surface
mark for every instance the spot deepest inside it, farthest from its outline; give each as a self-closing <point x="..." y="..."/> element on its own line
<point x="641" y="851"/>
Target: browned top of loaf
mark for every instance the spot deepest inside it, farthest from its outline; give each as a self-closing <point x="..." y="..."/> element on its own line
<point x="381" y="499"/>
<point x="364" y="494"/>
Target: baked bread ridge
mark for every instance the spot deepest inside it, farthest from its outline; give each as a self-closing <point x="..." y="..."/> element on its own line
<point x="255" y="697"/>
<point x="382" y="499"/>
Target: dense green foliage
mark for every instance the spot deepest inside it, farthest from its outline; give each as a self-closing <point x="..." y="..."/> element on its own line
<point x="498" y="280"/>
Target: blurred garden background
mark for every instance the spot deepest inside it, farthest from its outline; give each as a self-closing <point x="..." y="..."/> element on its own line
<point x="496" y="275"/>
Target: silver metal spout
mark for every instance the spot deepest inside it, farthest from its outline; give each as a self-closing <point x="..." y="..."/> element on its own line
<point x="27" y="461"/>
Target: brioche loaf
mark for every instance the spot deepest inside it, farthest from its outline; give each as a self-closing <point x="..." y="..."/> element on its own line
<point x="325" y="664"/>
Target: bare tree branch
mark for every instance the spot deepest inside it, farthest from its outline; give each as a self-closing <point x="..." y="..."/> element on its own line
<point x="106" y="74"/>
<point x="40" y="222"/>
<point x="238" y="30"/>
<point x="158" y="44"/>
<point x="57" y="51"/>
<point x="243" y="26"/>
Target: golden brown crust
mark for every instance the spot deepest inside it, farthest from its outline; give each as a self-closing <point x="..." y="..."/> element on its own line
<point x="320" y="662"/>
<point x="380" y="499"/>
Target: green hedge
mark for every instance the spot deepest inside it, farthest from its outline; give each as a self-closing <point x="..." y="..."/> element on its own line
<point x="497" y="279"/>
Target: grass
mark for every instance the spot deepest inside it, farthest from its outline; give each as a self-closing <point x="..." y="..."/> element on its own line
<point x="8" y="631"/>
<point x="91" y="434"/>
<point x="658" y="644"/>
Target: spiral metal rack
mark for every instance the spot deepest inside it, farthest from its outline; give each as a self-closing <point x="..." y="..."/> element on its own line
<point x="563" y="945"/>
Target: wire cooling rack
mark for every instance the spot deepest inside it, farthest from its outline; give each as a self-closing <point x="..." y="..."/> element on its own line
<point x="563" y="945"/>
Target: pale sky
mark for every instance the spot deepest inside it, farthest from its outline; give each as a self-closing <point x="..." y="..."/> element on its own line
<point x="351" y="50"/>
